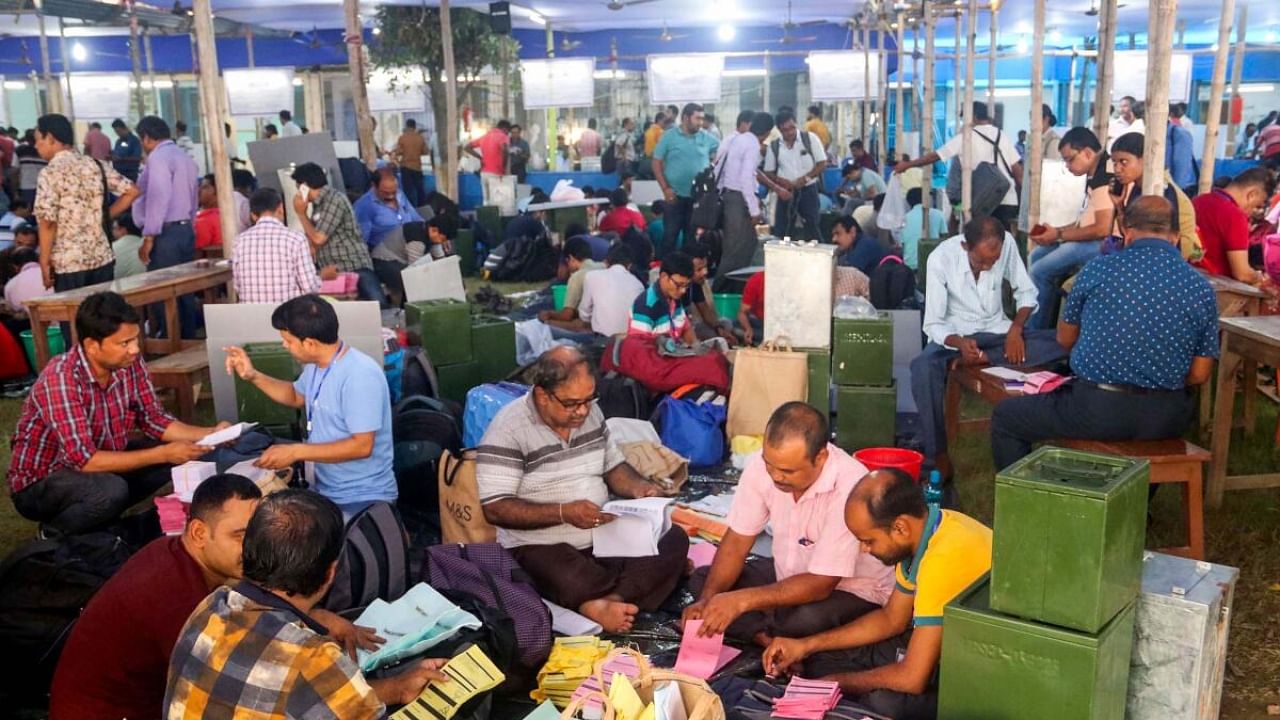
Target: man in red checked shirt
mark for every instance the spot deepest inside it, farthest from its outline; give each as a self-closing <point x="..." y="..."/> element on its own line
<point x="73" y="467"/>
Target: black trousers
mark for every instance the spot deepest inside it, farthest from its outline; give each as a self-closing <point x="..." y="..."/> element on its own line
<point x="414" y="190"/>
<point x="793" y="622"/>
<point x="900" y="706"/>
<point x="1082" y="410"/>
<point x="73" y="502"/>
<point x="803" y="206"/>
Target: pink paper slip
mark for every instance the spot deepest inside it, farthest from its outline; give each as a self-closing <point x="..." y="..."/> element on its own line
<point x="701" y="554"/>
<point x="701" y="657"/>
<point x="806" y="699"/>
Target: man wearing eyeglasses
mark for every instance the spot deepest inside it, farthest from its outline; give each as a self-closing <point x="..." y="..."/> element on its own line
<point x="544" y="468"/>
<point x="660" y="310"/>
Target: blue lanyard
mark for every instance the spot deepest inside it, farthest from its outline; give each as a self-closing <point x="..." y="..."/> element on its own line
<point x="317" y="386"/>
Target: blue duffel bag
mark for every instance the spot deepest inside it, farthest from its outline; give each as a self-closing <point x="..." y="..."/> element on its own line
<point x="693" y="430"/>
<point x="483" y="403"/>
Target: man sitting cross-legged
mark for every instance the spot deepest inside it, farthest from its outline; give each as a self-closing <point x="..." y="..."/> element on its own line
<point x="818" y="577"/>
<point x="544" y="467"/>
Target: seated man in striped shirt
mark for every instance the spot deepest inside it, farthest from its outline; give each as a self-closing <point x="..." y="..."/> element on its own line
<point x="660" y="309"/>
<point x="271" y="262"/>
<point x="544" y="467"/>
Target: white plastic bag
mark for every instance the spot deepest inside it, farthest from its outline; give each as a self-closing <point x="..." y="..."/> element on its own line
<point x="564" y="191"/>
<point x="533" y="337"/>
<point x="893" y="213"/>
<point x="851" y="307"/>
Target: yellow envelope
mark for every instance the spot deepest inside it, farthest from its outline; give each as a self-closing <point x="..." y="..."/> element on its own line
<point x="626" y="703"/>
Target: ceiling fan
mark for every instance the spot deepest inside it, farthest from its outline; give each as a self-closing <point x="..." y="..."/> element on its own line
<point x="665" y="36"/>
<point x="790" y="25"/>
<point x="566" y="44"/>
<point x="620" y="4"/>
<point x="1093" y="8"/>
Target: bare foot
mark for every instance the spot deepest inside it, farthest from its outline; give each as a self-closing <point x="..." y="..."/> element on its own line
<point x="612" y="615"/>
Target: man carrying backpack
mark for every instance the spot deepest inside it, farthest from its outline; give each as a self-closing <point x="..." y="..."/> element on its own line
<point x="796" y="166"/>
<point x="993" y="161"/>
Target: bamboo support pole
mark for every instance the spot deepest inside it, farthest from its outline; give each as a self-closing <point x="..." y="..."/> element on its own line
<point x="450" y="100"/>
<point x="1237" y="68"/>
<point x="1160" y="21"/>
<point x="1035" y="145"/>
<point x="360" y="91"/>
<point x="214" y="102"/>
<point x="1213" y="123"/>
<point x="926" y="126"/>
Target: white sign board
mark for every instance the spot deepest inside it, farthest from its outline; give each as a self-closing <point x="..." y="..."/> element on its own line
<point x="1132" y="78"/>
<point x="396" y="91"/>
<point x="562" y="83"/>
<point x="681" y="79"/>
<point x="253" y="93"/>
<point x="839" y="75"/>
<point x="100" y="97"/>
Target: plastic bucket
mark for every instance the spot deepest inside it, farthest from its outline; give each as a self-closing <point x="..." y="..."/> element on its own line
<point x="557" y="293"/>
<point x="56" y="344"/>
<point x="909" y="461"/>
<point x="727" y="305"/>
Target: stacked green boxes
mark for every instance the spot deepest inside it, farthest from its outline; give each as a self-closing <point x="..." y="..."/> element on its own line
<point x="1070" y="528"/>
<point x="456" y="380"/>
<point x="1049" y="634"/>
<point x="252" y="405"/>
<point x="997" y="667"/>
<point x="493" y="343"/>
<point x="819" y="379"/>
<point x="926" y="248"/>
<point x="862" y="369"/>
<point x="464" y="246"/>
<point x="561" y="218"/>
<point x="443" y="328"/>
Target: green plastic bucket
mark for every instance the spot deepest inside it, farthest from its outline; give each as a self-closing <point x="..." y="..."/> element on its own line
<point x="558" y="293"/>
<point x="56" y="345"/>
<point x="727" y="305"/>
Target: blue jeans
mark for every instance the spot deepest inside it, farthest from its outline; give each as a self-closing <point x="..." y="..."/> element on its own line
<point x="1051" y="265"/>
<point x="176" y="244"/>
<point x="369" y="287"/>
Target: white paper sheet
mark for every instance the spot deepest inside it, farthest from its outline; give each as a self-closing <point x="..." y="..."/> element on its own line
<point x="1006" y="374"/>
<point x="668" y="704"/>
<point x="636" y="531"/>
<point x="568" y="622"/>
<point x="225" y="435"/>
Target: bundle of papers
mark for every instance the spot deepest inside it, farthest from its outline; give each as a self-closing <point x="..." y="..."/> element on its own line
<point x="717" y="505"/>
<point x="708" y="527"/>
<point x="421" y="619"/>
<point x="470" y="674"/>
<point x="188" y="476"/>
<point x="173" y="514"/>
<point x="226" y="434"/>
<point x="623" y="666"/>
<point x="569" y="665"/>
<point x="701" y="553"/>
<point x="701" y="656"/>
<point x="1042" y="382"/>
<point x="635" y="532"/>
<point x="807" y="699"/>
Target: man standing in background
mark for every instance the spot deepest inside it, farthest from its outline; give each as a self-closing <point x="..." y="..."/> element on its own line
<point x="127" y="155"/>
<point x="96" y="143"/>
<point x="169" y="184"/>
<point x="680" y="155"/>
<point x="518" y="154"/>
<point x="492" y="156"/>
<point x="408" y="152"/>
<point x="589" y="142"/>
<point x="817" y="126"/>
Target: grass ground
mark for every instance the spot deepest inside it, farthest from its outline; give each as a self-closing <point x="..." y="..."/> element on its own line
<point x="1244" y="533"/>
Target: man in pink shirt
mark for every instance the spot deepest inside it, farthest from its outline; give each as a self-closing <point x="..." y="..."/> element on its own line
<point x="492" y="156"/>
<point x="96" y="143"/>
<point x="589" y="141"/>
<point x="819" y="576"/>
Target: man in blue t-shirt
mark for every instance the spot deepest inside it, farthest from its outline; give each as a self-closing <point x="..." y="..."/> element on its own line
<point x="347" y="403"/>
<point x="682" y="153"/>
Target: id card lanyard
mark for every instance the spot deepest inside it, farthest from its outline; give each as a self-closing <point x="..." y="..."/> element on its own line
<point x="318" y="385"/>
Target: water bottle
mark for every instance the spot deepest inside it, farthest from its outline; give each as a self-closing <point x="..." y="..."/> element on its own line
<point x="933" y="491"/>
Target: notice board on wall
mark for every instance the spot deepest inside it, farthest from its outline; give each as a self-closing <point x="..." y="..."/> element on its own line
<point x="679" y="79"/>
<point x="396" y="91"/>
<point x="839" y="75"/>
<point x="1132" y="78"/>
<point x="257" y="92"/>
<point x="558" y="83"/>
<point x="100" y="96"/>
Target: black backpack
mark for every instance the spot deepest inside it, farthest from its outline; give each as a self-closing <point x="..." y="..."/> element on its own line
<point x="419" y="375"/>
<point x="893" y="284"/>
<point x="526" y="259"/>
<point x="374" y="562"/>
<point x="988" y="184"/>
<point x="623" y="397"/>
<point x="609" y="160"/>
<point x="641" y="253"/>
<point x="44" y="586"/>
<point x="422" y="429"/>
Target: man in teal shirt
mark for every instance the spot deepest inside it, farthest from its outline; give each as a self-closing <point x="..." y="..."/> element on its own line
<point x="682" y="153"/>
<point x="911" y="234"/>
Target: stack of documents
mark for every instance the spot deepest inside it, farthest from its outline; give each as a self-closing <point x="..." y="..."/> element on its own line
<point x="470" y="674"/>
<point x="173" y="514"/>
<point x="569" y="665"/>
<point x="622" y="666"/>
<point x="226" y="434"/>
<point x="708" y="527"/>
<point x="636" y="530"/>
<point x="188" y="476"/>
<point x="701" y="656"/>
<point x="421" y="619"/>
<point x="807" y="699"/>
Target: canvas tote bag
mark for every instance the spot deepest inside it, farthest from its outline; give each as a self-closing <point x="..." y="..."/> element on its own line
<point x="763" y="379"/>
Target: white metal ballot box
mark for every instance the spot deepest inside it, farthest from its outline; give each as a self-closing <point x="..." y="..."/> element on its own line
<point x="797" y="292"/>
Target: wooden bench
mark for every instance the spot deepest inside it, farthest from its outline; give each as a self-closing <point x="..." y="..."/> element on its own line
<point x="180" y="372"/>
<point x="1172" y="461"/>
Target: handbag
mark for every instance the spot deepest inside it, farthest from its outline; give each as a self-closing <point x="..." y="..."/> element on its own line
<point x="708" y="208"/>
<point x="461" y="518"/>
<point x="764" y="379"/>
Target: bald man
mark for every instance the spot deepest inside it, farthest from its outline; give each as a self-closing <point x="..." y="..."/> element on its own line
<point x="938" y="554"/>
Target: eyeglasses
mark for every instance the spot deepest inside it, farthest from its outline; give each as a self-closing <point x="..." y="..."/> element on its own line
<point x="681" y="286"/>
<point x="575" y="405"/>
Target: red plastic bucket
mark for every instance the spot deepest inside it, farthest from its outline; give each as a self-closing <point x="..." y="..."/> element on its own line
<point x="909" y="461"/>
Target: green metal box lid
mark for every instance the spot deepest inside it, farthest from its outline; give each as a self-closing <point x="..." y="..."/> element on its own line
<point x="1071" y="472"/>
<point x="881" y="317"/>
<point x="974" y="605"/>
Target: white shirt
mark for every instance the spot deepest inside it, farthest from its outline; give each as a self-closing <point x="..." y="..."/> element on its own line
<point x="794" y="162"/>
<point x="290" y="129"/>
<point x="982" y="149"/>
<point x="607" y="297"/>
<point x="27" y="284"/>
<point x="957" y="304"/>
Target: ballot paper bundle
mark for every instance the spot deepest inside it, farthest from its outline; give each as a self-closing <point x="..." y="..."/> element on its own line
<point x="421" y="619"/>
<point x="188" y="476"/>
<point x="706" y="526"/>
<point x="635" y="532"/>
<point x="173" y="514"/>
<point x="622" y="666"/>
<point x="570" y="663"/>
<point x="807" y="699"/>
<point x="470" y="674"/>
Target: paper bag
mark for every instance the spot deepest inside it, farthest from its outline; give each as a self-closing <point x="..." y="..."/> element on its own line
<point x="434" y="280"/>
<point x="763" y="379"/>
<point x="461" y="518"/>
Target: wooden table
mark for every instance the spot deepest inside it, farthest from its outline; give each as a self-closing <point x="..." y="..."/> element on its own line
<point x="1246" y="341"/>
<point x="986" y="386"/>
<point x="1235" y="299"/>
<point x="157" y="286"/>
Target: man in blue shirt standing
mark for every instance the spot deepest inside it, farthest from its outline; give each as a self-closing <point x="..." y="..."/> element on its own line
<point x="347" y="403"/>
<point x="682" y="153"/>
<point x="1142" y="326"/>
<point x="382" y="214"/>
<point x="126" y="156"/>
<point x="170" y="184"/>
<point x="1179" y="156"/>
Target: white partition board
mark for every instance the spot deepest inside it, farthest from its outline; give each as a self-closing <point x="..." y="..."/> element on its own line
<point x="560" y="83"/>
<point x="684" y="78"/>
<point x="839" y="75"/>
<point x="268" y="156"/>
<point x="359" y="323"/>
<point x="1132" y="79"/>
<point x="259" y="92"/>
<point x="100" y="96"/>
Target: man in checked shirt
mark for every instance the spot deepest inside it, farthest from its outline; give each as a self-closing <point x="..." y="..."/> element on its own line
<point x="74" y="467"/>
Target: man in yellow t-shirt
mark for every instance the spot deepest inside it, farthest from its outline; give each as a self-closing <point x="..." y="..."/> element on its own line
<point x="888" y="658"/>
<point x="654" y="133"/>
<point x="815" y="125"/>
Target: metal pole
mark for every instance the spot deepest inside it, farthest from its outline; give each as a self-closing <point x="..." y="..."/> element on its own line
<point x="53" y="98"/>
<point x="991" y="57"/>
<point x="1162" y="15"/>
<point x="958" y="74"/>
<point x="210" y="89"/>
<point x="1106" y="69"/>
<point x="450" y="99"/>
<point x="899" y="106"/>
<point x="1035" y="145"/>
<point x="966" y="194"/>
<point x="135" y="60"/>
<point x="1237" y="67"/>
<point x="151" y="70"/>
<point x="1071" y="84"/>
<point x="917" y="98"/>
<point x="866" y="80"/>
<point x="926" y="126"/>
<point x="1213" y="122"/>
<point x="768" y="71"/>
<point x="251" y="58"/>
<point x="360" y="91"/>
<point x="66" y="67"/>
<point x="882" y="121"/>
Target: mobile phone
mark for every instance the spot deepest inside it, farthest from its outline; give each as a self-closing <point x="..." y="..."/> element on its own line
<point x="1040" y="229"/>
<point x="1117" y="188"/>
<point x="304" y="191"/>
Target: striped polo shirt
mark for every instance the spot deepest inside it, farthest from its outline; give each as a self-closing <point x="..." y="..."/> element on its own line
<point x="521" y="457"/>
<point x="653" y="314"/>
